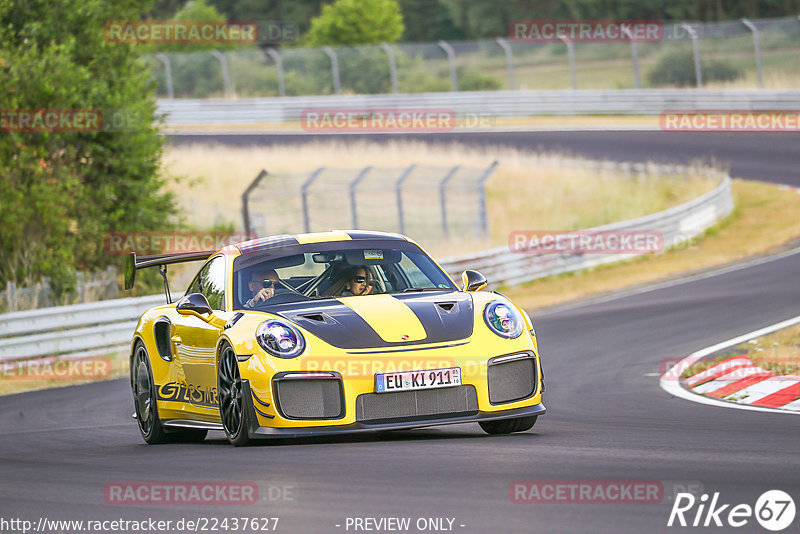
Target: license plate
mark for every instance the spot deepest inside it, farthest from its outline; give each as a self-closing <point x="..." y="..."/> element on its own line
<point x="412" y="380"/>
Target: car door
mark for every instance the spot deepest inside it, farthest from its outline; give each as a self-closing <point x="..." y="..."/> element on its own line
<point x="195" y="341"/>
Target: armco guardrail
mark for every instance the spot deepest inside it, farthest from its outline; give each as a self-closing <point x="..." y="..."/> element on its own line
<point x="677" y="224"/>
<point x="71" y="329"/>
<point x="211" y="112"/>
<point x="83" y="328"/>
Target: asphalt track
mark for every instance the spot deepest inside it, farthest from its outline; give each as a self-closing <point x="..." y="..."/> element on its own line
<point x="607" y="420"/>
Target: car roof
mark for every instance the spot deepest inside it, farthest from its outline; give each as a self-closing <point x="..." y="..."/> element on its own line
<point x="263" y="243"/>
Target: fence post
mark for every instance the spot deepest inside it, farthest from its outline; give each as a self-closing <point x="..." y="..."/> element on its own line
<point x="451" y="60"/>
<point x="509" y="61"/>
<point x="278" y="59"/>
<point x="353" y="185"/>
<point x="304" y="193"/>
<point x="757" y="48"/>
<point x="337" y="83"/>
<point x="443" y="197"/>
<point x="392" y="65"/>
<point x="11" y="295"/>
<point x="246" y="200"/>
<point x="226" y="74"/>
<point x="698" y="70"/>
<point x="398" y="187"/>
<point x="483" y="219"/>
<point x="571" y="55"/>
<point x="167" y="73"/>
<point x="637" y="81"/>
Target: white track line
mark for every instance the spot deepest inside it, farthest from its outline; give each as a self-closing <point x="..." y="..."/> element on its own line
<point x="674" y="388"/>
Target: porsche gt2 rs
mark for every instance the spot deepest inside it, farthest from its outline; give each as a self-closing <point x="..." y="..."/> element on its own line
<point x="307" y="358"/>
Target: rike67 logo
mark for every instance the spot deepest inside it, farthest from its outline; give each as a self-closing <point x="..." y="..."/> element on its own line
<point x="774" y="510"/>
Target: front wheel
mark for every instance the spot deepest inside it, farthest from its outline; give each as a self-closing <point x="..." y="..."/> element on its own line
<point x="507" y="426"/>
<point x="231" y="398"/>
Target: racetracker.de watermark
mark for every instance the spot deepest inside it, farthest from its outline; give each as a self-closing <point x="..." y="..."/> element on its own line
<point x="144" y="243"/>
<point x="187" y="493"/>
<point x="586" y="242"/>
<point x="74" y="120"/>
<point x="600" y="491"/>
<point x="730" y="121"/>
<point x="367" y="367"/>
<point x="398" y="120"/>
<point x="586" y="31"/>
<point x="59" y="369"/>
<point x="191" y="32"/>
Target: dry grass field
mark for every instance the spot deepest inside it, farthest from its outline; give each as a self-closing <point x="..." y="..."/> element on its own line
<point x="526" y="192"/>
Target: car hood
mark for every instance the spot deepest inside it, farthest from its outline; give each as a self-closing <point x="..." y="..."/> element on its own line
<point x="374" y="321"/>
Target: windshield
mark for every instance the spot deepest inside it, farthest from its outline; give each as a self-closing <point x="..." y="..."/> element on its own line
<point x="333" y="270"/>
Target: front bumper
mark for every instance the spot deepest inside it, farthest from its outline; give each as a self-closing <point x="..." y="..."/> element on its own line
<point x="264" y="432"/>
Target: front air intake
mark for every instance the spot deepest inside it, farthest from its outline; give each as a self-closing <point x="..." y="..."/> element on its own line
<point x="512" y="377"/>
<point x="308" y="396"/>
<point x="416" y="405"/>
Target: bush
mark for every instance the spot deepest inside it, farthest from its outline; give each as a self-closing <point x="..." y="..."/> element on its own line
<point x="472" y="80"/>
<point x="677" y="68"/>
<point x="61" y="192"/>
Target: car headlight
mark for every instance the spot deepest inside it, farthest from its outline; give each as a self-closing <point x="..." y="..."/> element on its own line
<point x="280" y="339"/>
<point x="503" y="319"/>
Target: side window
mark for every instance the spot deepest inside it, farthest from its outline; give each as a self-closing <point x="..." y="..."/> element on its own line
<point x="210" y="281"/>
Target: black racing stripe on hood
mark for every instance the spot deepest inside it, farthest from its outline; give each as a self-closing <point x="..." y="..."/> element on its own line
<point x="340" y="326"/>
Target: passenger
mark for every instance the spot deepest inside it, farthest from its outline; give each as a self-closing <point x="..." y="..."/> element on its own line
<point x="354" y="281"/>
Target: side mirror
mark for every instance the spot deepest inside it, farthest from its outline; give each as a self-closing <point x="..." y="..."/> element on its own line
<point x="473" y="280"/>
<point x="196" y="304"/>
<point x="193" y="304"/>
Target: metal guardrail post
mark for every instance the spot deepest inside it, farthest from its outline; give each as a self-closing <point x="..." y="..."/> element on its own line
<point x="167" y="73"/>
<point x="698" y="69"/>
<point x="483" y="219"/>
<point x="246" y="199"/>
<point x="637" y="80"/>
<point x="337" y="83"/>
<point x="451" y="60"/>
<point x="443" y="197"/>
<point x="398" y="187"/>
<point x="571" y="55"/>
<point x="278" y="59"/>
<point x="353" y="185"/>
<point x="304" y="193"/>
<point x="757" y="48"/>
<point x="226" y="74"/>
<point x="509" y="61"/>
<point x="392" y="65"/>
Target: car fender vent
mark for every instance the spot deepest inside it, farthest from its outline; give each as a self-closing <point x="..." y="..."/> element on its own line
<point x="447" y="307"/>
<point x="319" y="317"/>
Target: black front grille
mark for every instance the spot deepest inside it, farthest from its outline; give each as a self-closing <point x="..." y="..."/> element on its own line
<point x="421" y="404"/>
<point x="511" y="381"/>
<point x="310" y="398"/>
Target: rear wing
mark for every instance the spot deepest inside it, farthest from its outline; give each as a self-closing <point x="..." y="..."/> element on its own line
<point x="134" y="263"/>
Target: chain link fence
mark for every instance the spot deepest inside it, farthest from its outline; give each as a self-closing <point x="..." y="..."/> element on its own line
<point x="89" y="287"/>
<point x="751" y="53"/>
<point x="418" y="200"/>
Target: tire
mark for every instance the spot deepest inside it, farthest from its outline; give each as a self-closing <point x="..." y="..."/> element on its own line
<point x="144" y="397"/>
<point x="144" y="401"/>
<point x="230" y="395"/>
<point x="507" y="426"/>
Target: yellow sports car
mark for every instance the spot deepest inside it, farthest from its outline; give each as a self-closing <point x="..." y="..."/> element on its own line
<point x="328" y="333"/>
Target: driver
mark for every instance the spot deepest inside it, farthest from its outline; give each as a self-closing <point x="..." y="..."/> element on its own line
<point x="262" y="286"/>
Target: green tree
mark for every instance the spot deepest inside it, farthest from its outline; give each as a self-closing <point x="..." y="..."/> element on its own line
<point x="61" y="192"/>
<point x="353" y="22"/>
